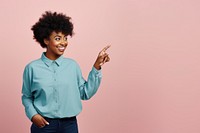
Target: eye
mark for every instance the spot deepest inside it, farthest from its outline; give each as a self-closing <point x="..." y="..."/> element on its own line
<point x="57" y="38"/>
<point x="65" y="38"/>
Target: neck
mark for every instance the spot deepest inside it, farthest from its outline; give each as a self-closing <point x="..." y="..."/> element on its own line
<point x="51" y="56"/>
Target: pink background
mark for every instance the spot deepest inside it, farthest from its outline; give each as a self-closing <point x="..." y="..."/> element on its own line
<point x="151" y="84"/>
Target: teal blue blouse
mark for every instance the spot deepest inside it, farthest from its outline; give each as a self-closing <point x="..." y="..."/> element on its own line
<point x="54" y="88"/>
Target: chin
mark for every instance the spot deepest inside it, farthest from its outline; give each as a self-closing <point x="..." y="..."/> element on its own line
<point x="60" y="53"/>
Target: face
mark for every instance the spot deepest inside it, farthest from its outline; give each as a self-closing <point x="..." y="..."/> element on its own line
<point x="56" y="45"/>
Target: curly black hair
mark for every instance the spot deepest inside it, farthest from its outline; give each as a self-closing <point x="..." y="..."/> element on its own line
<point x="50" y="22"/>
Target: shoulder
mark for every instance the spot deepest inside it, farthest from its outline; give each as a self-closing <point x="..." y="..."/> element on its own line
<point x="33" y="63"/>
<point x="70" y="61"/>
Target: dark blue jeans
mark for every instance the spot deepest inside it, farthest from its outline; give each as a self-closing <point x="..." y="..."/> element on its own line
<point x="64" y="125"/>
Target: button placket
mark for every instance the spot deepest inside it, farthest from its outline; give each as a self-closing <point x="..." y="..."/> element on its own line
<point x="54" y="88"/>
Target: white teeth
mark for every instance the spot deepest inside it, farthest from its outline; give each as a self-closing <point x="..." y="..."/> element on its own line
<point x="61" y="48"/>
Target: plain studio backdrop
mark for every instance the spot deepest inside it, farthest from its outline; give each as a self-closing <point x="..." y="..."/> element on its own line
<point x="151" y="84"/>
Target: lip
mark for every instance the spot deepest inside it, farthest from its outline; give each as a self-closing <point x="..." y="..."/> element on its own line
<point x="61" y="48"/>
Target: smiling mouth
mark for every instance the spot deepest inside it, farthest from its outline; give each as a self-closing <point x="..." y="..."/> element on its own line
<point x="61" y="48"/>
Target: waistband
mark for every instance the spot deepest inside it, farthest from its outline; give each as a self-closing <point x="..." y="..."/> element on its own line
<point x="65" y="118"/>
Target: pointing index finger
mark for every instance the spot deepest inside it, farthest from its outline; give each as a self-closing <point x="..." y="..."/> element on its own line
<point x="104" y="49"/>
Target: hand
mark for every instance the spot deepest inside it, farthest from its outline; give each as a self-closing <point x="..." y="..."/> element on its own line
<point x="39" y="121"/>
<point x="102" y="58"/>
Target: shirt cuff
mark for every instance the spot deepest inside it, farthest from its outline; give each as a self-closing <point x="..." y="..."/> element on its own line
<point x="31" y="112"/>
<point x="98" y="73"/>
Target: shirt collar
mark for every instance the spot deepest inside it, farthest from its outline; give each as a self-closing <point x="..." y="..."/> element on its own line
<point x="48" y="62"/>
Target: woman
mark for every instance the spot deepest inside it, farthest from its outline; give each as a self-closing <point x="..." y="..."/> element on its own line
<point x="53" y="86"/>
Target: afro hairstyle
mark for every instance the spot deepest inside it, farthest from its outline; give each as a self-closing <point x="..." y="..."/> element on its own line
<point x="50" y="22"/>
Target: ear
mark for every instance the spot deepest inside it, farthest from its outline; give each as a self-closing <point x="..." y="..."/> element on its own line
<point x="46" y="41"/>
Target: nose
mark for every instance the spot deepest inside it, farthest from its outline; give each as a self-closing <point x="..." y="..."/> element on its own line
<point x="64" y="42"/>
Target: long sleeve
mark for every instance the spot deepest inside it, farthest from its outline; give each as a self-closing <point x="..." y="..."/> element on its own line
<point x="27" y="98"/>
<point x="89" y="88"/>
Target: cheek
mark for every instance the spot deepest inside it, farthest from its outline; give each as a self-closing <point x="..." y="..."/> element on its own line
<point x="53" y="43"/>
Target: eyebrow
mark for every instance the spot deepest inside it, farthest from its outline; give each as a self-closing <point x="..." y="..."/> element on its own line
<point x="60" y="36"/>
<point x="57" y="36"/>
